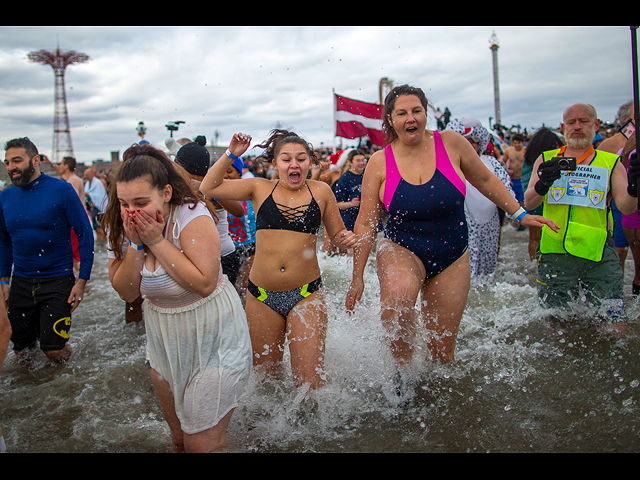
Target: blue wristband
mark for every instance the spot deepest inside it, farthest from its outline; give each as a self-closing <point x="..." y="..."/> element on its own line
<point x="4" y="282"/>
<point x="520" y="214"/>
<point x="135" y="246"/>
<point x="231" y="155"/>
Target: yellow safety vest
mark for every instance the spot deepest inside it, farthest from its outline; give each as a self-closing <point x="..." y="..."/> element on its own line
<point x="583" y="230"/>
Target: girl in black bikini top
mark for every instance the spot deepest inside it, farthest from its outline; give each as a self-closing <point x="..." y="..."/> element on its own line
<point x="283" y="299"/>
<point x="276" y="216"/>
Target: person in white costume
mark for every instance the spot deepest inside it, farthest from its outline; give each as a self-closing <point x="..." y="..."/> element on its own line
<point x="164" y="245"/>
<point x="481" y="213"/>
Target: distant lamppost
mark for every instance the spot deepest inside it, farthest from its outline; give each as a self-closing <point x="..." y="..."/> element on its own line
<point x="141" y="129"/>
<point x="173" y="126"/>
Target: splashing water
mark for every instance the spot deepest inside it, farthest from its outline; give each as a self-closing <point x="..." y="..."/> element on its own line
<point x="520" y="383"/>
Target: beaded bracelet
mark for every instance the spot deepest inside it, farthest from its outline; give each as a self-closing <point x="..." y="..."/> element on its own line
<point x="153" y="243"/>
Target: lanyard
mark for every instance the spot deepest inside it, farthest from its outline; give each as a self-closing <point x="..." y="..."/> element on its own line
<point x="585" y="155"/>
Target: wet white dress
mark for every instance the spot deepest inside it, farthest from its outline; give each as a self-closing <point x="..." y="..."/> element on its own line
<point x="200" y="346"/>
<point x="483" y="223"/>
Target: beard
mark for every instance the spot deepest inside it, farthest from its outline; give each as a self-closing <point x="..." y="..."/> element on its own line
<point x="581" y="143"/>
<point x="23" y="179"/>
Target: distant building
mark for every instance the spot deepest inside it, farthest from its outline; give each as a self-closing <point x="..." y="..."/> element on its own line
<point x="216" y="152"/>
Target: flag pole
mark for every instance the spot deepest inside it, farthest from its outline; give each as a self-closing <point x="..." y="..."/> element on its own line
<point x="335" y="120"/>
<point x="634" y="65"/>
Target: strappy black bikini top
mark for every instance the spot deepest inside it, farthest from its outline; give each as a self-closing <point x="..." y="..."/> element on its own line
<point x="275" y="216"/>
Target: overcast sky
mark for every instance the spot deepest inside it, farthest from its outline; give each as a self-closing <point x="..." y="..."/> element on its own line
<point x="231" y="79"/>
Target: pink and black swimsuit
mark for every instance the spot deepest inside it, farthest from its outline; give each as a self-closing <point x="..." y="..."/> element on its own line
<point x="427" y="219"/>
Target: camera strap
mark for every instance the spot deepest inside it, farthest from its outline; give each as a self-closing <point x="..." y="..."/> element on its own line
<point x="578" y="161"/>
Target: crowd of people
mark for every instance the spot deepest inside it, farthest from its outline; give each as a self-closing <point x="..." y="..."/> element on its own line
<point x="219" y="256"/>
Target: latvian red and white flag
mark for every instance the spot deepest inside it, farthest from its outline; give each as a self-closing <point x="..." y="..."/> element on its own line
<point x="355" y="119"/>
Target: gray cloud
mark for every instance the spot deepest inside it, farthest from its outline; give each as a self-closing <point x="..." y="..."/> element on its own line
<point x="248" y="78"/>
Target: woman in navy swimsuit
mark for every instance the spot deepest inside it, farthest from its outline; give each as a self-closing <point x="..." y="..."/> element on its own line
<point x="284" y="280"/>
<point x="419" y="178"/>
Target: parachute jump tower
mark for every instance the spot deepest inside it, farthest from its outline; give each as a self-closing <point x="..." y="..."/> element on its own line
<point x="59" y="61"/>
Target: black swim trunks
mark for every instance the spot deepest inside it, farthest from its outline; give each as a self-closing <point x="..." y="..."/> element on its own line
<point x="39" y="310"/>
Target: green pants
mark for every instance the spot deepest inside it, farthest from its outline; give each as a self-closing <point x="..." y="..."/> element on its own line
<point x="562" y="276"/>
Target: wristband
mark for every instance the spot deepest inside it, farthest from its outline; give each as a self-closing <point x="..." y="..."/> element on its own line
<point x="519" y="215"/>
<point x="136" y="247"/>
<point x="231" y="155"/>
<point x="4" y="282"/>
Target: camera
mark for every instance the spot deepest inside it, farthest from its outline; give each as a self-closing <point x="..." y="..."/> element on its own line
<point x="566" y="163"/>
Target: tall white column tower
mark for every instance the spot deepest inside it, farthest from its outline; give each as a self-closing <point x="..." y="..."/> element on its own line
<point x="493" y="41"/>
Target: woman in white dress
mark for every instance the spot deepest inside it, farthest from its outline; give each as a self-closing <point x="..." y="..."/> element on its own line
<point x="481" y="213"/>
<point x="164" y="245"/>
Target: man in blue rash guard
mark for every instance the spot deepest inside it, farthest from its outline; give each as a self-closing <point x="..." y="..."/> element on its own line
<point x="36" y="217"/>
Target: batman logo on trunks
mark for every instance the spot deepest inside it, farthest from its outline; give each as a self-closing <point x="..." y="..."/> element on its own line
<point x="62" y="326"/>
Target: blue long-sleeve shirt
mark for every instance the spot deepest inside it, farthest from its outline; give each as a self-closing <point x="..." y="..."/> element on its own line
<point x="35" y="230"/>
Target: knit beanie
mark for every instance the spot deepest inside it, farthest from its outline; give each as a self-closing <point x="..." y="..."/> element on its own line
<point x="238" y="164"/>
<point x="194" y="157"/>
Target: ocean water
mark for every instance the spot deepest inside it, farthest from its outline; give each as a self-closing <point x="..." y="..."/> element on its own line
<point x="520" y="382"/>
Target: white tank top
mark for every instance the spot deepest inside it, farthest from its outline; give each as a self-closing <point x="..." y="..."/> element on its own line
<point x="158" y="287"/>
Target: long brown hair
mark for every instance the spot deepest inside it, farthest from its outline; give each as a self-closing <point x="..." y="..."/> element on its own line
<point x="146" y="160"/>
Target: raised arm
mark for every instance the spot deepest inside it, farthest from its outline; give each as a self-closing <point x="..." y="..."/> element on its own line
<point x="215" y="186"/>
